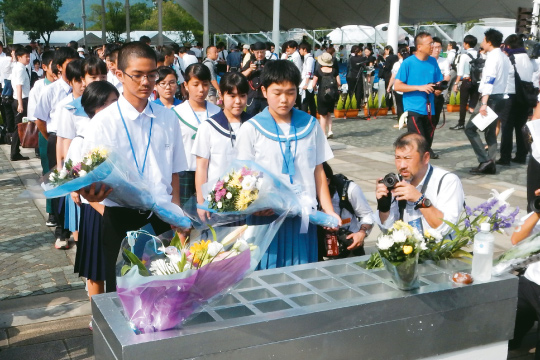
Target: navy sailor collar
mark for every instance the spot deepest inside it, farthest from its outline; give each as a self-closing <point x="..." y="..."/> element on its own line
<point x="301" y="125"/>
<point x="220" y="122"/>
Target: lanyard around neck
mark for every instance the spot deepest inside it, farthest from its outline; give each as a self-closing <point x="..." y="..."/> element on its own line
<point x="194" y="113"/>
<point x="282" y="153"/>
<point x="131" y="143"/>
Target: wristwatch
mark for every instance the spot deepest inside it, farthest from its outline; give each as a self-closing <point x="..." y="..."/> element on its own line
<point x="425" y="203"/>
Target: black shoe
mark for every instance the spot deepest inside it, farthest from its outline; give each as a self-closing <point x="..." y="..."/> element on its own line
<point x="433" y="155"/>
<point x="18" y="157"/>
<point x="457" y="127"/>
<point x="519" y="160"/>
<point x="487" y="168"/>
<point x="502" y="162"/>
<point x="51" y="222"/>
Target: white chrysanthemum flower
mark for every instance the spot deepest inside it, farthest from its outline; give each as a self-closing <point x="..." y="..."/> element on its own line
<point x="88" y="161"/>
<point x="423" y="245"/>
<point x="209" y="197"/>
<point x="240" y="245"/>
<point x="229" y="195"/>
<point x="214" y="248"/>
<point x="399" y="236"/>
<point x="417" y="234"/>
<point x="385" y="242"/>
<point x="219" y="205"/>
<point x="249" y="183"/>
<point x="82" y="173"/>
<point x="63" y="173"/>
<point x="435" y="234"/>
<point x="51" y="177"/>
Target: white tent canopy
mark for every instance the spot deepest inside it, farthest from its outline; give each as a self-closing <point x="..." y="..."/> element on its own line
<point x="479" y="30"/>
<point x="236" y="16"/>
<point x="59" y="38"/>
<point x="355" y="34"/>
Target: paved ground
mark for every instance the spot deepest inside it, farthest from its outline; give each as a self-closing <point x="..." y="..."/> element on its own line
<point x="43" y="306"/>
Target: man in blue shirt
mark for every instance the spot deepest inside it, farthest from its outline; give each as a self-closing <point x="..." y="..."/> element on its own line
<point x="234" y="59"/>
<point x="416" y="78"/>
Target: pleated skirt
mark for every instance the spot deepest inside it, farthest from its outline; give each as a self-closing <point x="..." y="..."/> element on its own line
<point x="72" y="216"/>
<point x="289" y="247"/>
<point x="89" y="261"/>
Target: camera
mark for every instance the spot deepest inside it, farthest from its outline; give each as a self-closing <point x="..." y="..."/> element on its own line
<point x="390" y="180"/>
<point x="535" y="204"/>
<point x="440" y="86"/>
<point x="336" y="243"/>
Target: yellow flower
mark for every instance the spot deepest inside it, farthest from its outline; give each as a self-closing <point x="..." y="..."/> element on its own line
<point x="245" y="198"/>
<point x="407" y="249"/>
<point x="199" y="249"/>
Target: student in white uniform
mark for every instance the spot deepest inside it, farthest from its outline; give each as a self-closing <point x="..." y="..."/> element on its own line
<point x="528" y="304"/>
<point x="214" y="143"/>
<point x="166" y="87"/>
<point x="290" y="144"/>
<point x="47" y="125"/>
<point x="20" y="81"/>
<point x="191" y="114"/>
<point x="147" y="136"/>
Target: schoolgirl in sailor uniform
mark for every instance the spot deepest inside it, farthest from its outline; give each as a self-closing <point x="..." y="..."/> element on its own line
<point x="290" y="144"/>
<point x="89" y="259"/>
<point x="216" y="137"/>
<point x="191" y="114"/>
<point x="166" y="87"/>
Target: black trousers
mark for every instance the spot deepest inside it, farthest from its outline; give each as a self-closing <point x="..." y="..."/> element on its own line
<point x="389" y="99"/>
<point x="399" y="104"/>
<point x="116" y="222"/>
<point x="256" y="105"/>
<point x="421" y="124"/>
<point x="512" y="124"/>
<point x="533" y="180"/>
<point x="469" y="95"/>
<point x="439" y="104"/>
<point x="9" y="120"/>
<point x="528" y="311"/>
<point x="58" y="206"/>
<point x="309" y="103"/>
<point x="15" y="141"/>
<point x="355" y="86"/>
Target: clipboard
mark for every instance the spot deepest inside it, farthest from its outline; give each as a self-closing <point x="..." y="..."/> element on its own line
<point x="482" y="122"/>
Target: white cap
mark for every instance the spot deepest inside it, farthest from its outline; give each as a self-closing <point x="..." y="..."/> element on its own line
<point x="80" y="49"/>
<point x="485" y="226"/>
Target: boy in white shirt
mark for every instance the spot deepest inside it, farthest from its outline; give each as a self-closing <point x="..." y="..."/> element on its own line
<point x="20" y="81"/>
<point x="148" y="135"/>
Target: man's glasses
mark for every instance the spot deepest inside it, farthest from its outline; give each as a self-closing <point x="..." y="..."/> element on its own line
<point x="151" y="77"/>
<point x="165" y="85"/>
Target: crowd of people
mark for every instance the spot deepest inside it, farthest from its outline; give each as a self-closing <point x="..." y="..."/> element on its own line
<point x="181" y="114"/>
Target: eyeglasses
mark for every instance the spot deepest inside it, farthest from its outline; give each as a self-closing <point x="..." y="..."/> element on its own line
<point x="151" y="77"/>
<point x="165" y="85"/>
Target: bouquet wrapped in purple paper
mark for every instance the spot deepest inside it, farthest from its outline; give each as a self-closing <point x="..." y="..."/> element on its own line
<point x="161" y="282"/>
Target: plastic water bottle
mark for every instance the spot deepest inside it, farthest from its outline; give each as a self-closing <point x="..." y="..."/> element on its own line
<point x="483" y="254"/>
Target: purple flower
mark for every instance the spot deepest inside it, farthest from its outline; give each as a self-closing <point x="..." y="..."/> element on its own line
<point x="467" y="223"/>
<point x="77" y="167"/>
<point x="468" y="211"/>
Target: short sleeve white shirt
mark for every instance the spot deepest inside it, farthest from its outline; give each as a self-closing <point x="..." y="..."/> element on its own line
<point x="19" y="76"/>
<point x="464" y="64"/>
<point x="297" y="60"/>
<point x="395" y="69"/>
<point x="112" y="79"/>
<point x="188" y="120"/>
<point x="69" y="124"/>
<point x="444" y="65"/>
<point x="219" y="150"/>
<point x="449" y="200"/>
<point x="362" y="211"/>
<point x="187" y="60"/>
<point x="46" y="105"/>
<point x="166" y="154"/>
<point x="33" y="97"/>
<point x="312" y="150"/>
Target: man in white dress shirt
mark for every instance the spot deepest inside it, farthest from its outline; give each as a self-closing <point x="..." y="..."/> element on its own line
<point x="20" y="81"/>
<point x="425" y="195"/>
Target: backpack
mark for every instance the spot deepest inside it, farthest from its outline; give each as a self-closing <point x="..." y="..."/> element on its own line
<point x="526" y="93"/>
<point x="342" y="187"/>
<point x="328" y="88"/>
<point x="476" y="67"/>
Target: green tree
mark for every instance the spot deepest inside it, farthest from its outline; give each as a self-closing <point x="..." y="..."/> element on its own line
<point x="175" y="18"/>
<point x="115" y="18"/>
<point x="17" y="15"/>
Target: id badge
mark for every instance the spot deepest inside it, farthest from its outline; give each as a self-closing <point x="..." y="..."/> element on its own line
<point x="417" y="223"/>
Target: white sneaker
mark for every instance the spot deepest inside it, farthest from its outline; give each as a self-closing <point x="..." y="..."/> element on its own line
<point x="330" y="135"/>
<point x="90" y="325"/>
<point x="61" y="244"/>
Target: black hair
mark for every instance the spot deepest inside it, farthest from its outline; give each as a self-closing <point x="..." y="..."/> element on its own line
<point x="29" y="48"/>
<point x="36" y="61"/>
<point x="74" y="70"/>
<point x="330" y="176"/>
<point x="419" y="36"/>
<point x="355" y="49"/>
<point x="284" y="46"/>
<point x="494" y="37"/>
<point x="234" y="80"/>
<point x="135" y="49"/>
<point x="404" y="52"/>
<point x="470" y="40"/>
<point x="292" y="44"/>
<point x="64" y="53"/>
<point x="160" y="57"/>
<point x="20" y="51"/>
<point x="410" y="138"/>
<point x="182" y="50"/>
<point x="437" y="39"/>
<point x="73" y="44"/>
<point x="109" y="49"/>
<point x="95" y="95"/>
<point x="514" y="42"/>
<point x="390" y="49"/>
<point x="145" y="39"/>
<point x="167" y="50"/>
<point x="453" y="44"/>
<point x="163" y="71"/>
<point x="220" y="45"/>
<point x="279" y="72"/>
<point x="47" y="57"/>
<point x="198" y="71"/>
<point x="306" y="46"/>
<point x="269" y="44"/>
<point x="92" y="65"/>
<point x="175" y="47"/>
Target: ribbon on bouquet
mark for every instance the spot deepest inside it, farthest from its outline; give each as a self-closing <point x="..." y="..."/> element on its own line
<point x="309" y="207"/>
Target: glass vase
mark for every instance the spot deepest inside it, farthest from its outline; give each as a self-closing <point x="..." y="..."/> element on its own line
<point x="405" y="274"/>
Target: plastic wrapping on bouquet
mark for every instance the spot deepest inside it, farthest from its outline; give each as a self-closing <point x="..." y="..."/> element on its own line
<point x="405" y="274"/>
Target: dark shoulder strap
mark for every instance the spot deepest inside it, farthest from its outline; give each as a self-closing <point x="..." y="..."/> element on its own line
<point x="440" y="183"/>
<point x="428" y="177"/>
